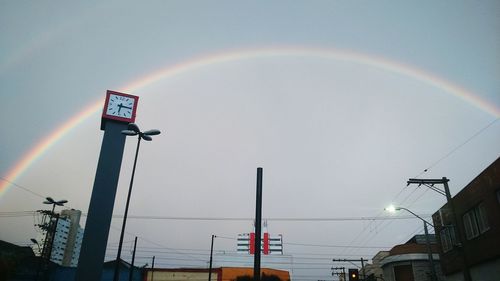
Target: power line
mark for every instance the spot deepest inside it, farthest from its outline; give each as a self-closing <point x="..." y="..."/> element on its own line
<point x="435" y="163"/>
<point x="22" y="187"/>
<point x="17" y="214"/>
<point x="337" y="246"/>
<point x="458" y="147"/>
<point x="305" y="219"/>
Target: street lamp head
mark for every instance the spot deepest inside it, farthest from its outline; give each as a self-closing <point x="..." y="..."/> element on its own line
<point x="34" y="241"/>
<point x="133" y="130"/>
<point x="61" y="202"/>
<point x="134" y="127"/>
<point x="129" y="132"/>
<point x="51" y="201"/>
<point x="392" y="209"/>
<point x="152" y="132"/>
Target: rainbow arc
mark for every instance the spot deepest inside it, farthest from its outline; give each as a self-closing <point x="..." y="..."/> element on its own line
<point x="240" y="55"/>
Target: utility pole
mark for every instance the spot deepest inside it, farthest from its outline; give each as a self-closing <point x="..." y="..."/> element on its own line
<point x="211" y="255"/>
<point x="430" y="183"/>
<point x="341" y="275"/>
<point x="355" y="260"/>
<point x="152" y="268"/>
<point x="131" y="272"/>
<point x="258" y="226"/>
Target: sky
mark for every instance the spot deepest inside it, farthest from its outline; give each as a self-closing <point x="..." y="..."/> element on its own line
<point x="340" y="102"/>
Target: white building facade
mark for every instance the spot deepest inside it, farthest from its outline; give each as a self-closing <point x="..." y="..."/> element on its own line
<point x="67" y="239"/>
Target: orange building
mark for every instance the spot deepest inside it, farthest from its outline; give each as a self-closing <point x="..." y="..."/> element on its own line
<point x="218" y="274"/>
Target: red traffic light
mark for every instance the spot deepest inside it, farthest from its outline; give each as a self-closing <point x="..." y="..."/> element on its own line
<point x="353" y="274"/>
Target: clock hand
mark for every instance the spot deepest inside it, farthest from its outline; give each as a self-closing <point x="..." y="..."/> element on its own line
<point x="127" y="107"/>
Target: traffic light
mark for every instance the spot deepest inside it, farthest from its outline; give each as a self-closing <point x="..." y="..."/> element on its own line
<point x="353" y="274"/>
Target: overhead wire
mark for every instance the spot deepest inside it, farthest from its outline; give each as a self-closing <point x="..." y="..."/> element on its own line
<point x="373" y="220"/>
<point x="432" y="165"/>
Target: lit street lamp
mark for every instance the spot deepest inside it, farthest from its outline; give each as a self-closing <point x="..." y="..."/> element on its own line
<point x="133" y="130"/>
<point x="393" y="209"/>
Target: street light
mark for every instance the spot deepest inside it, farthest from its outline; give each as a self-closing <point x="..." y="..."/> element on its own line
<point x="211" y="255"/>
<point x="53" y="228"/>
<point x="393" y="209"/>
<point x="133" y="130"/>
<point x="50" y="201"/>
<point x="54" y="203"/>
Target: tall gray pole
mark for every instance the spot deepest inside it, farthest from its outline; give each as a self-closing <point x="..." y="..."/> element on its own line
<point x="460" y="249"/>
<point x="116" y="275"/>
<point x="429" y="253"/>
<point x="96" y="233"/>
<point x="131" y="272"/>
<point x="152" y="268"/>
<point x="427" y="241"/>
<point x="363" y="268"/>
<point x="258" y="226"/>
<point x="211" y="255"/>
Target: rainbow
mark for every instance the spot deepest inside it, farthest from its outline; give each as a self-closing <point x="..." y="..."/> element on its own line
<point x="238" y="55"/>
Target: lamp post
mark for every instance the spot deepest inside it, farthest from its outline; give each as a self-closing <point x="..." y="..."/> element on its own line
<point x="392" y="209"/>
<point x="54" y="203"/>
<point x="211" y="255"/>
<point x="133" y="130"/>
<point x="53" y="227"/>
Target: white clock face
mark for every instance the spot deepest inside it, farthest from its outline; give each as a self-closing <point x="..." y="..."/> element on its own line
<point x="120" y="106"/>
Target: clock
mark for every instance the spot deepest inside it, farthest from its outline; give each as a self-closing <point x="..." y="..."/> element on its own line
<point x="119" y="107"/>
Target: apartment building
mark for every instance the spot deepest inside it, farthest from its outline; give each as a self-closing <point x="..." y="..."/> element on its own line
<point x="474" y="245"/>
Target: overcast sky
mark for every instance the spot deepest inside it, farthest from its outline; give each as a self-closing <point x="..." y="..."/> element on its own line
<point x="339" y="101"/>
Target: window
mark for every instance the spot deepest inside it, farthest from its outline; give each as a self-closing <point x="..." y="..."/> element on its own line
<point x="482" y="218"/>
<point x="476" y="221"/>
<point x="447" y="235"/>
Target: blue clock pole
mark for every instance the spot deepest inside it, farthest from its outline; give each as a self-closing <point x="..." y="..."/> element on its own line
<point x="102" y="201"/>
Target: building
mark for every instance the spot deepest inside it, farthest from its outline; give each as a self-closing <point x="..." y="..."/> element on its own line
<point x="13" y="259"/>
<point x="410" y="261"/>
<point x="67" y="239"/>
<point x="373" y="271"/>
<point x="474" y="245"/>
<point x="29" y="269"/>
<point x="218" y="274"/>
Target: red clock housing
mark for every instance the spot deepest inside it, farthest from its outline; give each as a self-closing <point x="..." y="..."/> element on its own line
<point x="119" y="107"/>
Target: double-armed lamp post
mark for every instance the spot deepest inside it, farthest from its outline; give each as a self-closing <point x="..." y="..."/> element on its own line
<point x="132" y="130"/>
<point x="47" y="249"/>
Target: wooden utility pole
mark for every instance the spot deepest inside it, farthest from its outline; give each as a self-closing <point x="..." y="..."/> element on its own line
<point x="460" y="247"/>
